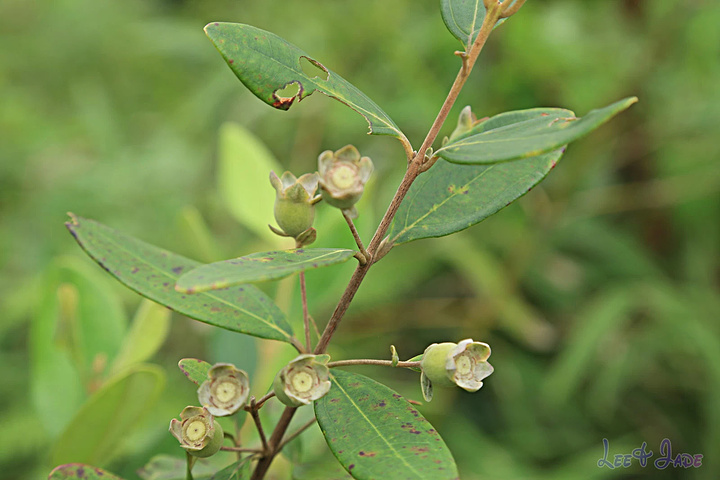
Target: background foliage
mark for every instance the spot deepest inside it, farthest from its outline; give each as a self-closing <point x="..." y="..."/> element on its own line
<point x="598" y="291"/>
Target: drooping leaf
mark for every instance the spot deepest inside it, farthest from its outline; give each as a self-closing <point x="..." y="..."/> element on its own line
<point x="80" y="472"/>
<point x="244" y="164"/>
<point x="266" y="64"/>
<point x="375" y="433"/>
<point x="259" y="267"/>
<point x="525" y="133"/>
<point x="464" y="18"/>
<point x="239" y="470"/>
<point x="152" y="272"/>
<point x="167" y="467"/>
<point x="147" y="334"/>
<point x="195" y="370"/>
<point x="450" y="197"/>
<point x="108" y="416"/>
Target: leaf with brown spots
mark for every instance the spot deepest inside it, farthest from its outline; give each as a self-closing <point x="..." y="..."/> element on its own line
<point x="375" y="433"/>
<point x="195" y="370"/>
<point x="78" y="471"/>
<point x="266" y="64"/>
<point x="259" y="267"/>
<point x="152" y="272"/>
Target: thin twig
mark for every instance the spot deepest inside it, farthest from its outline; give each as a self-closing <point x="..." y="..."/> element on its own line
<point x="356" y="236"/>
<point x="258" y="424"/>
<point x="315" y="327"/>
<point x="294" y="435"/>
<point x="262" y="400"/>
<point x="368" y="361"/>
<point x="511" y="9"/>
<point x="262" y="466"/>
<point x="306" y="315"/>
<point x="241" y="450"/>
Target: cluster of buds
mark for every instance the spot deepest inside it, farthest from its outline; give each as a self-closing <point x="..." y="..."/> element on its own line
<point x="447" y="364"/>
<point x="341" y="177"/>
<point x="224" y="392"/>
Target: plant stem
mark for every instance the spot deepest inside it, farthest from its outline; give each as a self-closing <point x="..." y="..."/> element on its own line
<point x="258" y="424"/>
<point x="294" y="435"/>
<point x="356" y="236"/>
<point x="415" y="167"/>
<point x="368" y="361"/>
<point x="189" y="462"/>
<point x="262" y="466"/>
<point x="240" y="450"/>
<point x="306" y="315"/>
<point x="262" y="400"/>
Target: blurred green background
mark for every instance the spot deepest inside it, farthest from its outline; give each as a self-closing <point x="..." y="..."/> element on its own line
<point x="598" y="291"/>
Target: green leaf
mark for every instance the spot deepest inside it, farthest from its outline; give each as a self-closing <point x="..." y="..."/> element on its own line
<point x="78" y="327"/>
<point x="239" y="470"/>
<point x="525" y="133"/>
<point x="449" y="197"/>
<point x="266" y="63"/>
<point x="376" y="433"/>
<point x="110" y="414"/>
<point x="464" y="18"/>
<point x="259" y="267"/>
<point x="167" y="467"/>
<point x="80" y="471"/>
<point x="195" y="370"/>
<point x="152" y="272"/>
<point x="244" y="165"/>
<point x="147" y="334"/>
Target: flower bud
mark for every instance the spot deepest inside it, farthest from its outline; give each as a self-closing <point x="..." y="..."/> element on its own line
<point x="225" y="391"/>
<point x="464" y="364"/>
<point x="303" y="380"/>
<point x="294" y="208"/>
<point x="198" y="432"/>
<point x="343" y="175"/>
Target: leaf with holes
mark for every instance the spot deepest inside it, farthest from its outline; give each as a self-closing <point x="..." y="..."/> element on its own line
<point x="195" y="370"/>
<point x="259" y="267"/>
<point x="375" y="433"/>
<point x="464" y="18"/>
<point x="152" y="272"/>
<point x="266" y="64"/>
<point x="450" y="197"/>
<point x="525" y="133"/>
<point x="79" y="471"/>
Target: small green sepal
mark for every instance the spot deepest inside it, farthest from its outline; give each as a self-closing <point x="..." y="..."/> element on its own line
<point x="343" y="175"/>
<point x="294" y="208"/>
<point x="463" y="364"/>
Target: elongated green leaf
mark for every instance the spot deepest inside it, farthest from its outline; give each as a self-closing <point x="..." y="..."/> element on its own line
<point x="110" y="413"/>
<point x="375" y="433"/>
<point x="80" y="472"/>
<point x="464" y="18"/>
<point x="239" y="470"/>
<point x="449" y="197"/>
<point x="147" y="334"/>
<point x="244" y="164"/>
<point x="152" y="272"/>
<point x="259" y="267"/>
<point x="195" y="370"/>
<point x="526" y="133"/>
<point x="266" y="63"/>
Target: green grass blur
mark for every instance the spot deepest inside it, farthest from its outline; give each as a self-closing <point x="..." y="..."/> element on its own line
<point x="598" y="291"/>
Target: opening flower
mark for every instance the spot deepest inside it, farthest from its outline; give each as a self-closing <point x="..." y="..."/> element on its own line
<point x="343" y="175"/>
<point x="463" y="364"/>
<point x="197" y="432"/>
<point x="294" y="202"/>
<point x="303" y="380"/>
<point x="225" y="391"/>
